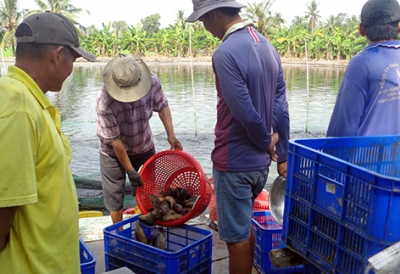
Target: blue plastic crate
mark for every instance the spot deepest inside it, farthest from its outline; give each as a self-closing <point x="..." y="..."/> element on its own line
<point x="88" y="261"/>
<point x="268" y="237"/>
<point x="342" y="200"/>
<point x="188" y="249"/>
<point x="311" y="269"/>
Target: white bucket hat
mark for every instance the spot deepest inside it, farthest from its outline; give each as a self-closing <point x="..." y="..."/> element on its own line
<point x="127" y="78"/>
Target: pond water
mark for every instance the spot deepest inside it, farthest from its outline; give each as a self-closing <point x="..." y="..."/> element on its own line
<point x="193" y="107"/>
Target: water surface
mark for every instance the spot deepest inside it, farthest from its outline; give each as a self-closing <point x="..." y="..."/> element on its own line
<point x="193" y="107"/>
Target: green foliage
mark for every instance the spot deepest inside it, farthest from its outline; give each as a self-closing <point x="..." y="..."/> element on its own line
<point x="151" y="24"/>
<point x="312" y="15"/>
<point x="120" y="27"/>
<point x="9" y="18"/>
<point x="327" y="42"/>
<point x="335" y="39"/>
<point x="260" y="14"/>
<point x="61" y="6"/>
<point x="8" y="52"/>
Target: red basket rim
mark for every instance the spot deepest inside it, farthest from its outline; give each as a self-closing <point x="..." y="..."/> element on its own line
<point x="192" y="213"/>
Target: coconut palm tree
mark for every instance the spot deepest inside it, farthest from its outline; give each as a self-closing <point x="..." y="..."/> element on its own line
<point x="261" y="15"/>
<point x="336" y="21"/>
<point x="312" y="15"/>
<point x="180" y="19"/>
<point x="10" y="16"/>
<point x="351" y="23"/>
<point x="278" y="19"/>
<point x="61" y="6"/>
<point x="298" y="20"/>
<point x="276" y="22"/>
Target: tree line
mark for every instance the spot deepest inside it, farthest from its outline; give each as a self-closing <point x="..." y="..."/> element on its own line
<point x="335" y="39"/>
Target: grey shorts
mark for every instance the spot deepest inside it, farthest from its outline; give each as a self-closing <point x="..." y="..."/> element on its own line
<point x="113" y="178"/>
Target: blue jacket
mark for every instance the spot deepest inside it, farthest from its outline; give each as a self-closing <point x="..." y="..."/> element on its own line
<point x="251" y="102"/>
<point x="368" y="101"/>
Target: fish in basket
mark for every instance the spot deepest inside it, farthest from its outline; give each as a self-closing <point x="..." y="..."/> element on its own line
<point x="175" y="189"/>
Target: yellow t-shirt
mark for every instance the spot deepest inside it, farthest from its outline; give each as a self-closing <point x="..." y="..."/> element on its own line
<point x="35" y="176"/>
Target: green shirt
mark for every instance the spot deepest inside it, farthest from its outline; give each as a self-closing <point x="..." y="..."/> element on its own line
<point x="35" y="177"/>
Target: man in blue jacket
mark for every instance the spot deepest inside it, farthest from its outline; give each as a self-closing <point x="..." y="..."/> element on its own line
<point x="251" y="105"/>
<point x="368" y="102"/>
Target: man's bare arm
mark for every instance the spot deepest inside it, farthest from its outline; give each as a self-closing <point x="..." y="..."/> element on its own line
<point x="7" y="215"/>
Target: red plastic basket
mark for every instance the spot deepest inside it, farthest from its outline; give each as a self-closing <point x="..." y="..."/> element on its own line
<point x="173" y="169"/>
<point x="262" y="201"/>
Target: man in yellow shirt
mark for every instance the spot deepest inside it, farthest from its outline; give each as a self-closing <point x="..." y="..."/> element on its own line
<point x="39" y="224"/>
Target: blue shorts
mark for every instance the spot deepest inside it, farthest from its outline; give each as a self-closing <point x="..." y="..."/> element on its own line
<point x="235" y="193"/>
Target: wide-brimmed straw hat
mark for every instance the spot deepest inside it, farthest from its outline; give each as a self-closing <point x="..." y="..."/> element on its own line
<point x="127" y="78"/>
<point x="201" y="7"/>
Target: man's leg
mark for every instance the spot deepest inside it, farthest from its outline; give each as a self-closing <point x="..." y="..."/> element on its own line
<point x="234" y="204"/>
<point x="113" y="184"/>
<point x="113" y="178"/>
<point x="239" y="257"/>
<point x="116" y="216"/>
<point x="235" y="194"/>
<point x="252" y="242"/>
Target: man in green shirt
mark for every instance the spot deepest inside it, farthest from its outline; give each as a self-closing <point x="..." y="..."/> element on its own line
<point x="39" y="227"/>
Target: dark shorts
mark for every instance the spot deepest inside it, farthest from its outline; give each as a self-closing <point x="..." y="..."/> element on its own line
<point x="113" y="178"/>
<point x="235" y="193"/>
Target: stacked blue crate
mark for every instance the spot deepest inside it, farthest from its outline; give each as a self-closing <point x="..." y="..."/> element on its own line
<point x="342" y="201"/>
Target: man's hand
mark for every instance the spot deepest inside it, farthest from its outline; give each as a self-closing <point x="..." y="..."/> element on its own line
<point x="175" y="143"/>
<point x="271" y="151"/>
<point x="135" y="180"/>
<point x="282" y="168"/>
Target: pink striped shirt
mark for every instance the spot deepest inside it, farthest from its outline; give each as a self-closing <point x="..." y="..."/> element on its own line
<point x="128" y="121"/>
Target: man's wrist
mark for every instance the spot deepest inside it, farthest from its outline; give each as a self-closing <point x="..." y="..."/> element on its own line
<point x="132" y="172"/>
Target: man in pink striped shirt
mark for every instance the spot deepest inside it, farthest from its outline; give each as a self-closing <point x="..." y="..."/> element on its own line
<point x="125" y="104"/>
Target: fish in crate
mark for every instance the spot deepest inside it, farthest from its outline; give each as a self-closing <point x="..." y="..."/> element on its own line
<point x="170" y="205"/>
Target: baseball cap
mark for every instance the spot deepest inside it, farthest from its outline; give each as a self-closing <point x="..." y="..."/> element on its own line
<point x="377" y="12"/>
<point x="201" y="7"/>
<point x="52" y="28"/>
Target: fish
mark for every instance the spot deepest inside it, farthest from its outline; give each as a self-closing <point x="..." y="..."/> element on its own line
<point x="161" y="241"/>
<point x="140" y="236"/>
<point x="168" y="192"/>
<point x="178" y="208"/>
<point x="170" y="200"/>
<point x="151" y="240"/>
<point x="170" y="205"/>
<point x="171" y="216"/>
<point x="149" y="219"/>
<point x="154" y="200"/>
<point x="184" y="193"/>
<point x="164" y="208"/>
<point x="180" y="194"/>
<point x="189" y="202"/>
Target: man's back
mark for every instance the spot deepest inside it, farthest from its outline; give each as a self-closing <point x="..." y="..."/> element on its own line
<point x="368" y="101"/>
<point x="248" y="72"/>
